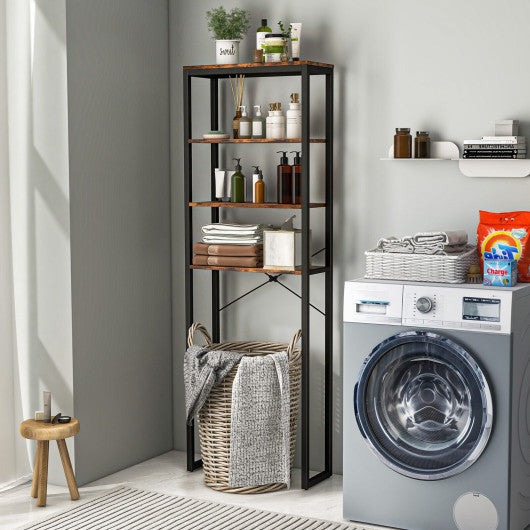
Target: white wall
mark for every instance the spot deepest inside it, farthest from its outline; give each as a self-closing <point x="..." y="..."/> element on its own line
<point x="449" y="68"/>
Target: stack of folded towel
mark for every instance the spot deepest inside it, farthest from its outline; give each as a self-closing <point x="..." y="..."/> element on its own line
<point x="228" y="255"/>
<point x="233" y="234"/>
<point x="433" y="243"/>
<point x="230" y="245"/>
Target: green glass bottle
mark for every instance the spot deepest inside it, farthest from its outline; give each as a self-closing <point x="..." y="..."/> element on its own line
<point x="260" y="35"/>
<point x="238" y="184"/>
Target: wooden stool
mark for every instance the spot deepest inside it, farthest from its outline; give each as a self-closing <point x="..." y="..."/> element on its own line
<point x="43" y="433"/>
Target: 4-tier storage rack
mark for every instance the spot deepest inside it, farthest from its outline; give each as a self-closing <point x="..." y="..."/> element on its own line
<point x="305" y="70"/>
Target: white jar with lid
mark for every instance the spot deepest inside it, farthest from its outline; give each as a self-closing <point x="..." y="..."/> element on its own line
<point x="275" y="122"/>
<point x="273" y="47"/>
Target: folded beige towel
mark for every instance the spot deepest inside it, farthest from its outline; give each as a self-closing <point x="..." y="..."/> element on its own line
<point x="227" y="250"/>
<point x="229" y="261"/>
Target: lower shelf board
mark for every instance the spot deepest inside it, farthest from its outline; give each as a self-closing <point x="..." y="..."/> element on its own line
<point x="298" y="271"/>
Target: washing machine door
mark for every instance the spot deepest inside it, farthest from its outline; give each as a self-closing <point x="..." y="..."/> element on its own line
<point x="423" y="405"/>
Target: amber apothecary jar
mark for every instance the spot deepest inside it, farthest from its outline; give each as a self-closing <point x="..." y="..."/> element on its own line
<point x="422" y="145"/>
<point x="402" y="143"/>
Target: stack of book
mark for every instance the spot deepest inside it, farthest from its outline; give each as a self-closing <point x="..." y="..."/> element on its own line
<point x="496" y="147"/>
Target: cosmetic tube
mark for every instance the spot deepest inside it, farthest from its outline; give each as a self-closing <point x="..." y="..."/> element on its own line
<point x="296" y="37"/>
<point x="228" y="182"/>
<point x="47" y="398"/>
<point x="220" y="184"/>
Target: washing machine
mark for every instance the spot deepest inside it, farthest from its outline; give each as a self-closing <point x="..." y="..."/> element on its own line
<point x="436" y="405"/>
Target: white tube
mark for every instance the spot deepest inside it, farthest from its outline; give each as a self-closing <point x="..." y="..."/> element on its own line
<point x="229" y="184"/>
<point x="219" y="183"/>
<point x="296" y="37"/>
<point x="47" y="398"/>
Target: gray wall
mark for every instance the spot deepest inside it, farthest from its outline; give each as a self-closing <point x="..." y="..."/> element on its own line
<point x="449" y="68"/>
<point x="118" y="112"/>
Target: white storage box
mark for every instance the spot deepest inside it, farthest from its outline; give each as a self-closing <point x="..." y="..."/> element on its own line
<point x="282" y="249"/>
<point x="506" y="127"/>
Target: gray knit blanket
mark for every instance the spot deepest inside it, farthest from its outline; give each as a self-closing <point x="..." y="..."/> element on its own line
<point x="260" y="432"/>
<point x="204" y="369"/>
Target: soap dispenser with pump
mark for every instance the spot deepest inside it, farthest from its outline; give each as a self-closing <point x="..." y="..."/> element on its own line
<point x="259" y="189"/>
<point x="284" y="180"/>
<point x="297" y="177"/>
<point x="258" y="123"/>
<point x="245" y="124"/>
<point x="237" y="193"/>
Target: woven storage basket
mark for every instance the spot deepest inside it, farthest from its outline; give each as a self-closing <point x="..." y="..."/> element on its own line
<point x="215" y="415"/>
<point x="420" y="267"/>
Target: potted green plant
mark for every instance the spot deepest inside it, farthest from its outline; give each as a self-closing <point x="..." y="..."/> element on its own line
<point x="228" y="29"/>
<point x="286" y="36"/>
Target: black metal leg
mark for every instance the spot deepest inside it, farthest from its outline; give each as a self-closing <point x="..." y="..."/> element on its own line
<point x="305" y="317"/>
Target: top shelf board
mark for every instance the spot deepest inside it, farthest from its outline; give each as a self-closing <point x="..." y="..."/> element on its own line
<point x="259" y="70"/>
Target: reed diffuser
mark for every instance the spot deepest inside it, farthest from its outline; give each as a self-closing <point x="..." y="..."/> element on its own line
<point x="237" y="85"/>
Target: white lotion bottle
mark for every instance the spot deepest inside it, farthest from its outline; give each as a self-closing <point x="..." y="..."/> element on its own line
<point x="294" y="118"/>
<point x="296" y="36"/>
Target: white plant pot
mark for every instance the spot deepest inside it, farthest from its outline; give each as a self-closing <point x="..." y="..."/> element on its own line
<point x="226" y="51"/>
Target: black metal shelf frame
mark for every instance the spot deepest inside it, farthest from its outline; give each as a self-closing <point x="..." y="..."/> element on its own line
<point x="304" y="70"/>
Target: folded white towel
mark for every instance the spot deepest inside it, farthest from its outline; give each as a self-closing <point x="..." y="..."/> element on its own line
<point x="215" y="228"/>
<point x="393" y="244"/>
<point x="232" y="240"/>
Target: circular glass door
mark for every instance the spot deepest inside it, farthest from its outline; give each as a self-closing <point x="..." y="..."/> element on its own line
<point x="423" y="405"/>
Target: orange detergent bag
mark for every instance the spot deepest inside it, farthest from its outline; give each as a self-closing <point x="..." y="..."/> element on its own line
<point x="506" y="236"/>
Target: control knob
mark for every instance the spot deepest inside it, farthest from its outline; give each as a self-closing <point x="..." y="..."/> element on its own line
<point x="424" y="304"/>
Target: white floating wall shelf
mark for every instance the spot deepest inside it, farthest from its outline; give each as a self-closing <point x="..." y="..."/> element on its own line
<point x="489" y="167"/>
<point x="439" y="151"/>
<point x="515" y="168"/>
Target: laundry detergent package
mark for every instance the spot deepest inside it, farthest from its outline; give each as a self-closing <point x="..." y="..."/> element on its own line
<point x="506" y="236"/>
<point x="500" y="272"/>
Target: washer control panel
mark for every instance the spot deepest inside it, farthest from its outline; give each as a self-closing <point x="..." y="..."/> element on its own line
<point x="433" y="305"/>
<point x="456" y="308"/>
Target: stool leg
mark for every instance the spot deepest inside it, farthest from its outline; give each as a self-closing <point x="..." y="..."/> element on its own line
<point x="36" y="465"/>
<point x="43" y="473"/>
<point x="68" y="471"/>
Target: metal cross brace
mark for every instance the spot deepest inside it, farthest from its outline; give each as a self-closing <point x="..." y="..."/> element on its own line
<point x="271" y="278"/>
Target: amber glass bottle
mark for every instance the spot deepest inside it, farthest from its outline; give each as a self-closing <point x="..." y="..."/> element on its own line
<point x="402" y="143"/>
<point x="284" y="185"/>
<point x="235" y="124"/>
<point x="259" y="189"/>
<point x="297" y="177"/>
<point x="422" y="145"/>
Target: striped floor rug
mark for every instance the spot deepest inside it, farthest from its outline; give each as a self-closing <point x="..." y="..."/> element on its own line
<point x="131" y="509"/>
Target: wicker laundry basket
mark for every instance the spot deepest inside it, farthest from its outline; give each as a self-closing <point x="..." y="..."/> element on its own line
<point x="215" y="415"/>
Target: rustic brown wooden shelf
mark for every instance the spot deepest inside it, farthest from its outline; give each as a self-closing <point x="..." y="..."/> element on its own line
<point x="255" y="205"/>
<point x="256" y="66"/>
<point x="254" y="141"/>
<point x="297" y="272"/>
